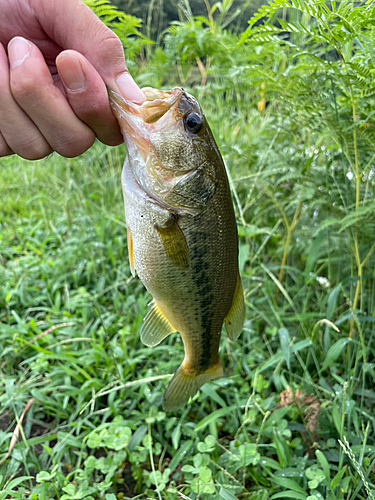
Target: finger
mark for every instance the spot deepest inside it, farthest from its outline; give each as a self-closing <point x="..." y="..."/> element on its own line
<point x="34" y="91"/>
<point x="4" y="148"/>
<point x="88" y="97"/>
<point x="19" y="134"/>
<point x="78" y="28"/>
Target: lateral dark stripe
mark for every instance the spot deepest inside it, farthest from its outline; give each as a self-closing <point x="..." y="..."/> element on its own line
<point x="205" y="297"/>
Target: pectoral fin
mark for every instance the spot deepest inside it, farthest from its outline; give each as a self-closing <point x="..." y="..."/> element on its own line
<point x="236" y="316"/>
<point x="174" y="243"/>
<point x="155" y="327"/>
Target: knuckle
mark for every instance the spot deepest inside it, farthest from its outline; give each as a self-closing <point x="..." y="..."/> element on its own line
<point x="35" y="150"/>
<point x="24" y="88"/>
<point x="110" y="42"/>
<point x="111" y="49"/>
<point x="30" y="147"/>
<point x="4" y="148"/>
<point x="111" y="140"/>
<point x="75" y="145"/>
<point x="37" y="155"/>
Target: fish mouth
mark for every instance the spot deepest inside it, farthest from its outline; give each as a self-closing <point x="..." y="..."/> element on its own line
<point x="137" y="121"/>
<point x="156" y="104"/>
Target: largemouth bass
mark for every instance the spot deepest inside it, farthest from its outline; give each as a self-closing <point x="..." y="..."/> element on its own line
<point x="182" y="234"/>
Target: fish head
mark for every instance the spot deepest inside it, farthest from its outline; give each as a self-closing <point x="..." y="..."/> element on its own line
<point x="170" y="147"/>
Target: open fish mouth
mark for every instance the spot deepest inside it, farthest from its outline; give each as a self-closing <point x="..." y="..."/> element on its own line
<point x="139" y="121"/>
<point x="157" y="103"/>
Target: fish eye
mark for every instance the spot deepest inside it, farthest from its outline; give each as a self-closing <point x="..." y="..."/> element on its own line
<point x="193" y="122"/>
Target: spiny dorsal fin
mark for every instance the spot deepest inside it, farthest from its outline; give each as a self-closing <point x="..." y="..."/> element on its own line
<point x="155" y="327"/>
<point x="184" y="386"/>
<point x="131" y="252"/>
<point x="236" y="316"/>
<point x="174" y="243"/>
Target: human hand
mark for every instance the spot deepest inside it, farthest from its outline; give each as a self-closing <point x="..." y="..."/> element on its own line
<point x="53" y="76"/>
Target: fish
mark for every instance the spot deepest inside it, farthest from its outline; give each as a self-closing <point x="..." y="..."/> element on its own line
<point x="181" y="232"/>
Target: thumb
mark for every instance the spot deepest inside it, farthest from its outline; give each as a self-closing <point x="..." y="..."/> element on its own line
<point x="72" y="25"/>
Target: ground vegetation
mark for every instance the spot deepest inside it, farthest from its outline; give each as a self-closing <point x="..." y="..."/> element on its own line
<point x="291" y="101"/>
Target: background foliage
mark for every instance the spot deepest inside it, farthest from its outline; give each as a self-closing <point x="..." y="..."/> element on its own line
<point x="290" y="99"/>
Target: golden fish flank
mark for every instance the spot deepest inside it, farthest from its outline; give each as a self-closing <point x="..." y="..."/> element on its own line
<point x="182" y="235"/>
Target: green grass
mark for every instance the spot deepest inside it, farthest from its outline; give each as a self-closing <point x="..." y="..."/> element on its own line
<point x="294" y="416"/>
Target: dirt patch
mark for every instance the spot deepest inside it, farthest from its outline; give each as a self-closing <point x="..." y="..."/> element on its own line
<point x="4" y="421"/>
<point x="309" y="406"/>
<point x="128" y="483"/>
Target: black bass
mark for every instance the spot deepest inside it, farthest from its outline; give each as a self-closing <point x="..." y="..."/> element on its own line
<point x="182" y="234"/>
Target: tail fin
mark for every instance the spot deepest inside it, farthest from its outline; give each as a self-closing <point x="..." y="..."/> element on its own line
<point x="184" y="386"/>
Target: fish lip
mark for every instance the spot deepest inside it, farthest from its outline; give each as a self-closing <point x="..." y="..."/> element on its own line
<point x="117" y="103"/>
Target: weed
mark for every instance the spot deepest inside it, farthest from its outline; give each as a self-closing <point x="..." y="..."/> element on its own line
<point x="299" y="383"/>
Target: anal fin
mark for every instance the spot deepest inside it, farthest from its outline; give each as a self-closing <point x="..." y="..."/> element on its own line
<point x="131" y="252"/>
<point x="184" y="385"/>
<point x="236" y="316"/>
<point x="155" y="327"/>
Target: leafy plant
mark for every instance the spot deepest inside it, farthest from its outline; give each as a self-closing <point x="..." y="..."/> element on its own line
<point x="290" y="102"/>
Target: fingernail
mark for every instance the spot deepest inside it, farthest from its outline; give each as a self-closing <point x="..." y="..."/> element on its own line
<point x="18" y="50"/>
<point x="71" y="73"/>
<point x="129" y="89"/>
